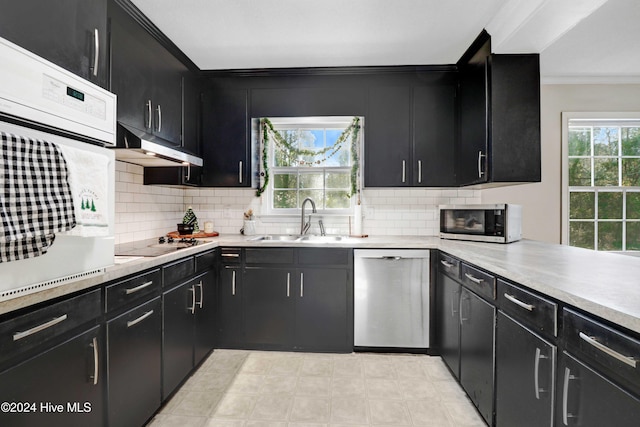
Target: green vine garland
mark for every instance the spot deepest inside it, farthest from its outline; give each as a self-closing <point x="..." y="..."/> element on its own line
<point x="352" y="130"/>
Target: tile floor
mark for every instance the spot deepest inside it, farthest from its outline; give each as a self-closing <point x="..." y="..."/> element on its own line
<point x="278" y="389"/>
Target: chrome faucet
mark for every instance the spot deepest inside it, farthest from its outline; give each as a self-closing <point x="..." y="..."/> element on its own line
<point x="304" y="227"/>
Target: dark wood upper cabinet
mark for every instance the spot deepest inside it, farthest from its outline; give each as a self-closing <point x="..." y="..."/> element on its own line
<point x="69" y="33"/>
<point x="499" y="123"/>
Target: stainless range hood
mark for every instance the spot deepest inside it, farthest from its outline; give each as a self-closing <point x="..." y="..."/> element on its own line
<point x="141" y="148"/>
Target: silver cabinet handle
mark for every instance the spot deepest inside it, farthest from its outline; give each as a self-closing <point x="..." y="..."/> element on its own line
<point x="480" y="156"/>
<point x="138" y="288"/>
<point x="192" y="289"/>
<point x="19" y="335"/>
<point x="519" y="303"/>
<point x="188" y="177"/>
<point x="230" y="255"/>
<point x="149" y="113"/>
<point x="233" y="283"/>
<point x="453" y="309"/>
<point x="565" y="396"/>
<point x="139" y="319"/>
<point x="446" y="264"/>
<point x="628" y="360"/>
<point x="288" y="284"/>
<point x="96" y="361"/>
<point x="404" y="171"/>
<point x="301" y="285"/>
<point x="159" y="110"/>
<point x="201" y="294"/>
<point x="240" y="171"/>
<point x="419" y="171"/>
<point x="462" y="318"/>
<point x="536" y="372"/>
<point x="96" y="41"/>
<point x="473" y="278"/>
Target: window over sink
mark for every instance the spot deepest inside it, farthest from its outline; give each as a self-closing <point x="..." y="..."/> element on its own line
<point x="316" y="157"/>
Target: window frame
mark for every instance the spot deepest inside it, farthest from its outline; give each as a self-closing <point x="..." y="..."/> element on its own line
<point x="309" y="123"/>
<point x="632" y="117"/>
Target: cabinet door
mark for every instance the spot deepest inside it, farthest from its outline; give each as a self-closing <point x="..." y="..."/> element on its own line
<point x="476" y="351"/>
<point x="135" y="350"/>
<point x="525" y="365"/>
<point x="230" y="325"/>
<point x="64" y="32"/>
<point x="587" y="399"/>
<point x="434" y="127"/>
<point x="178" y="333"/>
<point x="70" y="375"/>
<point x="323" y="297"/>
<point x="131" y="70"/>
<point x="448" y="322"/>
<point x="388" y="138"/>
<point x="205" y="316"/>
<point x="269" y="297"/>
<point x="191" y="113"/>
<point x="225" y="138"/>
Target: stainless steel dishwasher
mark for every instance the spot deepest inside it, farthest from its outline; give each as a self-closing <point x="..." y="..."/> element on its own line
<point x="391" y="292"/>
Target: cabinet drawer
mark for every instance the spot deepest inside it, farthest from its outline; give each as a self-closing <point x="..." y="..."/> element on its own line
<point x="269" y="256"/>
<point x="177" y="271"/>
<point x="478" y="281"/>
<point x="531" y="309"/>
<point x="449" y="266"/>
<point x="323" y="256"/>
<point x="230" y="255"/>
<point x="615" y="354"/>
<point x="205" y="261"/>
<point x="136" y="288"/>
<point x="32" y="329"/>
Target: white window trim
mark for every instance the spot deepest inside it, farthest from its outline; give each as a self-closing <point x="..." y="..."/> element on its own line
<point x="566" y="117"/>
<point x="274" y="215"/>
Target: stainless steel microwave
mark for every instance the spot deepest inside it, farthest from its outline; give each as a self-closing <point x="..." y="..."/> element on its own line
<point x="498" y="223"/>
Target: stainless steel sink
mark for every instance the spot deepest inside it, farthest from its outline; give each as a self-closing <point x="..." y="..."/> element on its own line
<point x="300" y="239"/>
<point x="275" y="237"/>
<point x="323" y="239"/>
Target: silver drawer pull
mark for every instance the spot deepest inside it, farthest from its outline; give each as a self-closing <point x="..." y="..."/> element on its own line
<point x="19" y="335"/>
<point x="473" y="278"/>
<point x="603" y="348"/>
<point x="519" y="303"/>
<point x="565" y="396"/>
<point x="139" y="319"/>
<point x="199" y="303"/>
<point x="446" y="264"/>
<point x="536" y="373"/>
<point x="96" y="360"/>
<point x="138" y="288"/>
<point x="230" y="255"/>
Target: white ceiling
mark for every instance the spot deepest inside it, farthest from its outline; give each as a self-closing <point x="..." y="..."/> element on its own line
<point x="579" y="40"/>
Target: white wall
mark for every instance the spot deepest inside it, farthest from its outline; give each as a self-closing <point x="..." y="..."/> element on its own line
<point x="542" y="201"/>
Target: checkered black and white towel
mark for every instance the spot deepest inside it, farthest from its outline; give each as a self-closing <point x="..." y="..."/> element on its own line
<point x="36" y="198"/>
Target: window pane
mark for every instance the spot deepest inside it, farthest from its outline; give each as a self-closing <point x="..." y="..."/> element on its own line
<point x="582" y="205"/>
<point x="285" y="199"/>
<point x="610" y="236"/>
<point x="630" y="141"/>
<point x="338" y="180"/>
<point x="311" y="180"/>
<point x="579" y="141"/>
<point x="582" y="234"/>
<point x="633" y="205"/>
<point x="338" y="200"/>
<point x="580" y="172"/>
<point x="605" y="141"/>
<point x="609" y="205"/>
<point x="285" y="180"/>
<point x="316" y="196"/>
<point x="631" y="172"/>
<point x="633" y="236"/>
<point x="606" y="172"/>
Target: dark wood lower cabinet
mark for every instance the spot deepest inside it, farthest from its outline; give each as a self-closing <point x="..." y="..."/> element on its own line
<point x="134" y="342"/>
<point x="587" y="399"/>
<point x="477" y="325"/>
<point x="525" y="365"/>
<point x="60" y="387"/>
<point x="230" y="327"/>
<point x="447" y="322"/>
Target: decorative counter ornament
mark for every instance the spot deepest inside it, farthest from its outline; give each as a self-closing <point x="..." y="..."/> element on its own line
<point x="249" y="228"/>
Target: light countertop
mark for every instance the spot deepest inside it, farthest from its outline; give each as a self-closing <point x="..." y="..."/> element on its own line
<point x="604" y="284"/>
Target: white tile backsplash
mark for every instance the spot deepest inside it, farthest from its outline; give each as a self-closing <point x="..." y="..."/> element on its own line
<point x="144" y="211"/>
